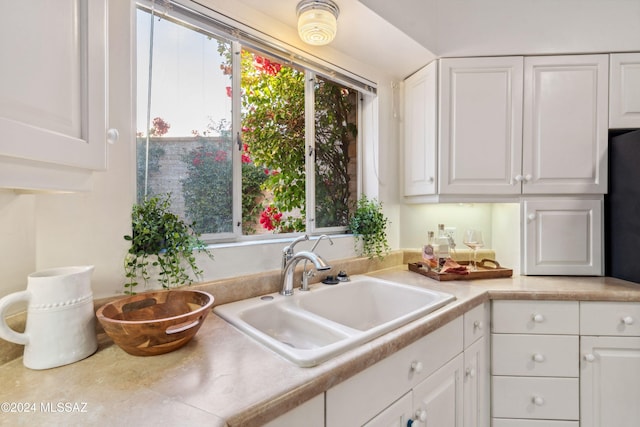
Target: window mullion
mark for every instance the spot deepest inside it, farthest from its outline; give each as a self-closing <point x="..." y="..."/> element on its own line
<point x="310" y="147"/>
<point x="236" y="126"/>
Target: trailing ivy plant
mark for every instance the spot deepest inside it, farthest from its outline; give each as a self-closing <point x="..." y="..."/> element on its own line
<point x="369" y="225"/>
<point x="162" y="244"/>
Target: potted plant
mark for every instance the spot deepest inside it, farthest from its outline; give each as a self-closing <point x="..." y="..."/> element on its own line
<point x="369" y="225"/>
<point x="162" y="244"/>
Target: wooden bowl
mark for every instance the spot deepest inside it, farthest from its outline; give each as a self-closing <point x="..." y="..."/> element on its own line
<point x="155" y="322"/>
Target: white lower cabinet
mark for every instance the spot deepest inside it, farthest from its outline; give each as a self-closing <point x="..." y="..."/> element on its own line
<point x="373" y="391"/>
<point x="439" y="381"/>
<point x="610" y="364"/>
<point x="535" y="362"/>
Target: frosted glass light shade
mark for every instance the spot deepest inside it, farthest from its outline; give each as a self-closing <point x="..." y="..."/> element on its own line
<point x="317" y="21"/>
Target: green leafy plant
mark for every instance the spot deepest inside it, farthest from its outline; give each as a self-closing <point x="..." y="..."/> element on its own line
<point x="369" y="225"/>
<point x="161" y="243"/>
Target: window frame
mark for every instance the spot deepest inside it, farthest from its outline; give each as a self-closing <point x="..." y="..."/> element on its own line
<point x="201" y="18"/>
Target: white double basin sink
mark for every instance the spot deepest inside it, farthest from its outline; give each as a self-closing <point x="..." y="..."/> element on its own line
<point x="311" y="327"/>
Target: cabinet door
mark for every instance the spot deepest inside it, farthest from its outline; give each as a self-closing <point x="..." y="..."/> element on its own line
<point x="565" y="130"/>
<point x="437" y="401"/>
<point x="562" y="237"/>
<point x="420" y="132"/>
<point x="610" y="381"/>
<point x="53" y="91"/>
<point x="624" y="87"/>
<point x="396" y="415"/>
<point x="480" y="125"/>
<point x="476" y="385"/>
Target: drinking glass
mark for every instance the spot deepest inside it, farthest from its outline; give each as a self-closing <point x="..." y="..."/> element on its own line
<point x="473" y="239"/>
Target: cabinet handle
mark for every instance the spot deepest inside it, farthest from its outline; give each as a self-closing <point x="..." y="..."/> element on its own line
<point x="430" y="180"/>
<point x="537" y="357"/>
<point x="518" y="178"/>
<point x="537" y="400"/>
<point x="416" y="366"/>
<point x="112" y="135"/>
<point x="538" y="318"/>
<point x="470" y="372"/>
<point x="527" y="177"/>
<point x="421" y="415"/>
<point x="589" y="357"/>
<point x="531" y="216"/>
<point x="477" y="325"/>
<point x="627" y="320"/>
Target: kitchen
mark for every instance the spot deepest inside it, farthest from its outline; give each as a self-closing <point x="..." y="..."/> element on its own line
<point x="44" y="230"/>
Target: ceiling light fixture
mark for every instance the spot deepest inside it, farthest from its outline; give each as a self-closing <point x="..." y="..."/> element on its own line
<point x="317" y="21"/>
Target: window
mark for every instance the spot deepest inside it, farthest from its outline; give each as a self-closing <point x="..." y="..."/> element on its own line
<point x="246" y="143"/>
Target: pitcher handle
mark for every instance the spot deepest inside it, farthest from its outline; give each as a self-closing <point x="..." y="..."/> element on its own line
<point x="5" y="331"/>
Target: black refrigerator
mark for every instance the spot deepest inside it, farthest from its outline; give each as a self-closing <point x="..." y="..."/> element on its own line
<point x="622" y="207"/>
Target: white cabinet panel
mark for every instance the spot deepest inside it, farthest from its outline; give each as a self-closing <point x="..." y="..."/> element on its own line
<point x="476" y="384"/>
<point x="395" y="415"/>
<point x="505" y="422"/>
<point x="565" y="129"/>
<point x="535" y="355"/>
<point x="475" y="323"/>
<point x="624" y="86"/>
<point x="480" y="125"/>
<point x="437" y="401"/>
<point x="535" y="317"/>
<point x="562" y="237"/>
<point x="610" y="381"/>
<point x="536" y="398"/>
<point x="420" y="132"/>
<point x="610" y="318"/>
<point x="53" y="93"/>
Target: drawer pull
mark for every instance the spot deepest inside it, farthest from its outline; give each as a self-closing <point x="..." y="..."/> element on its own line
<point x="589" y="357"/>
<point x="538" y="318"/>
<point x="537" y="357"/>
<point x="416" y="367"/>
<point x="477" y="325"/>
<point x="421" y="415"/>
<point x="470" y="372"/>
<point x="627" y="320"/>
<point x="537" y="400"/>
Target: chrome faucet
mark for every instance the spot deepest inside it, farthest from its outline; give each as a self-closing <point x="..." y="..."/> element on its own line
<point x="287" y="252"/>
<point x="304" y="286"/>
<point x="290" y="267"/>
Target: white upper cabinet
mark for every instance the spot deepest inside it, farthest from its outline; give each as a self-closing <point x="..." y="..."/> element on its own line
<point x="533" y="125"/>
<point x="421" y="132"/>
<point x="53" y="93"/>
<point x="480" y="125"/>
<point x="565" y="132"/>
<point x="624" y="101"/>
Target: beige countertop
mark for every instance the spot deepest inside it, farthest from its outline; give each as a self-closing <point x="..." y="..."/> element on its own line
<point x="223" y="377"/>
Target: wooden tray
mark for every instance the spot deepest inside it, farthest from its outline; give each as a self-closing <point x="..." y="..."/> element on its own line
<point x="487" y="269"/>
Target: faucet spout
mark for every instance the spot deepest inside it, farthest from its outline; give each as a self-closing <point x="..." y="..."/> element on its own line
<point x="287" y="281"/>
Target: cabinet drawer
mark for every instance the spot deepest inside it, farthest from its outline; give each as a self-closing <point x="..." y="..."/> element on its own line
<point x="610" y="318"/>
<point x="535" y="355"/>
<point x="537" y="398"/>
<point x="506" y="422"/>
<point x="536" y="317"/>
<point x="359" y="398"/>
<point x="475" y="324"/>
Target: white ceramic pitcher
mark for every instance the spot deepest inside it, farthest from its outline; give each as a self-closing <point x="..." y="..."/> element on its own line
<point x="60" y="326"/>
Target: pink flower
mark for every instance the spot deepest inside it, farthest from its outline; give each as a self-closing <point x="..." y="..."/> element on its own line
<point x="270" y="218"/>
<point x="228" y="88"/>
